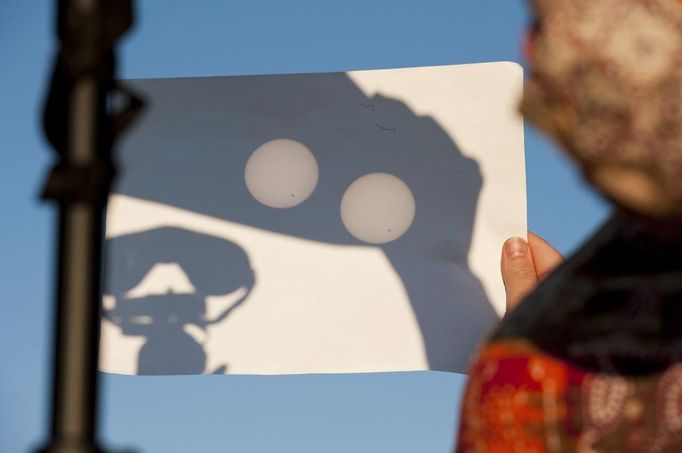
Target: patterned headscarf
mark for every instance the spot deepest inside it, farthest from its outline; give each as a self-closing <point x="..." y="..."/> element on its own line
<point x="607" y="84"/>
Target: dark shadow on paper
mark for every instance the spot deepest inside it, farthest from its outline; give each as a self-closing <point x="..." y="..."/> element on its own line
<point x="213" y="266"/>
<point x="191" y="147"/>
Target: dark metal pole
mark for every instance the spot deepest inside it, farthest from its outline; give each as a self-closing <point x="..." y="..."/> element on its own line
<point x="81" y="128"/>
<point x="78" y="293"/>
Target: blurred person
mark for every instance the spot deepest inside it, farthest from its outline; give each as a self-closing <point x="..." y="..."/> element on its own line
<point x="591" y="358"/>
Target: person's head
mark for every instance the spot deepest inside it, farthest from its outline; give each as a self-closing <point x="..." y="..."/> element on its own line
<point x="607" y="84"/>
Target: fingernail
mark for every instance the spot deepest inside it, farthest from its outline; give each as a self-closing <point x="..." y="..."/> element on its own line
<point x="515" y="247"/>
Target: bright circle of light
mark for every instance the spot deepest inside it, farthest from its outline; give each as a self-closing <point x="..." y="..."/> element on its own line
<point x="377" y="208"/>
<point x="281" y="173"/>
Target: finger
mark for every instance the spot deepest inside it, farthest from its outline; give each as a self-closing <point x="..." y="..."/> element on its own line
<point x="545" y="257"/>
<point x="518" y="270"/>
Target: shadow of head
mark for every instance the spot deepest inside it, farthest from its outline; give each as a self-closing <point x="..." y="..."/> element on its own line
<point x="203" y="131"/>
<point x="160" y="279"/>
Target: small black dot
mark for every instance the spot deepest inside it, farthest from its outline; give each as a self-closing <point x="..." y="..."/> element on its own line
<point x="292" y="195"/>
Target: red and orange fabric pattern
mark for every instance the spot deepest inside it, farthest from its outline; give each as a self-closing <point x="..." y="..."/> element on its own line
<point x="522" y="400"/>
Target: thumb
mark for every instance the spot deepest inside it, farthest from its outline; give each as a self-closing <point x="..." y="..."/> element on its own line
<point x="518" y="271"/>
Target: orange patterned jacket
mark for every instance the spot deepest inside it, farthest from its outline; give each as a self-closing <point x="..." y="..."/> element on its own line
<point x="519" y="399"/>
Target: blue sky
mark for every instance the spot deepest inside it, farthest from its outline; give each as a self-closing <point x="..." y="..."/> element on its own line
<point x="397" y="412"/>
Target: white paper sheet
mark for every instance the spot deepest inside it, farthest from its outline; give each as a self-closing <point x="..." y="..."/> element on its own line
<point x="314" y="223"/>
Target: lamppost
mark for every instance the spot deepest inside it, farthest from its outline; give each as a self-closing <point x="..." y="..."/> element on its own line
<point x="84" y="113"/>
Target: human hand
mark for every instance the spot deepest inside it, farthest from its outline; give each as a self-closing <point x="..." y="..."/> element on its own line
<point x="524" y="264"/>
